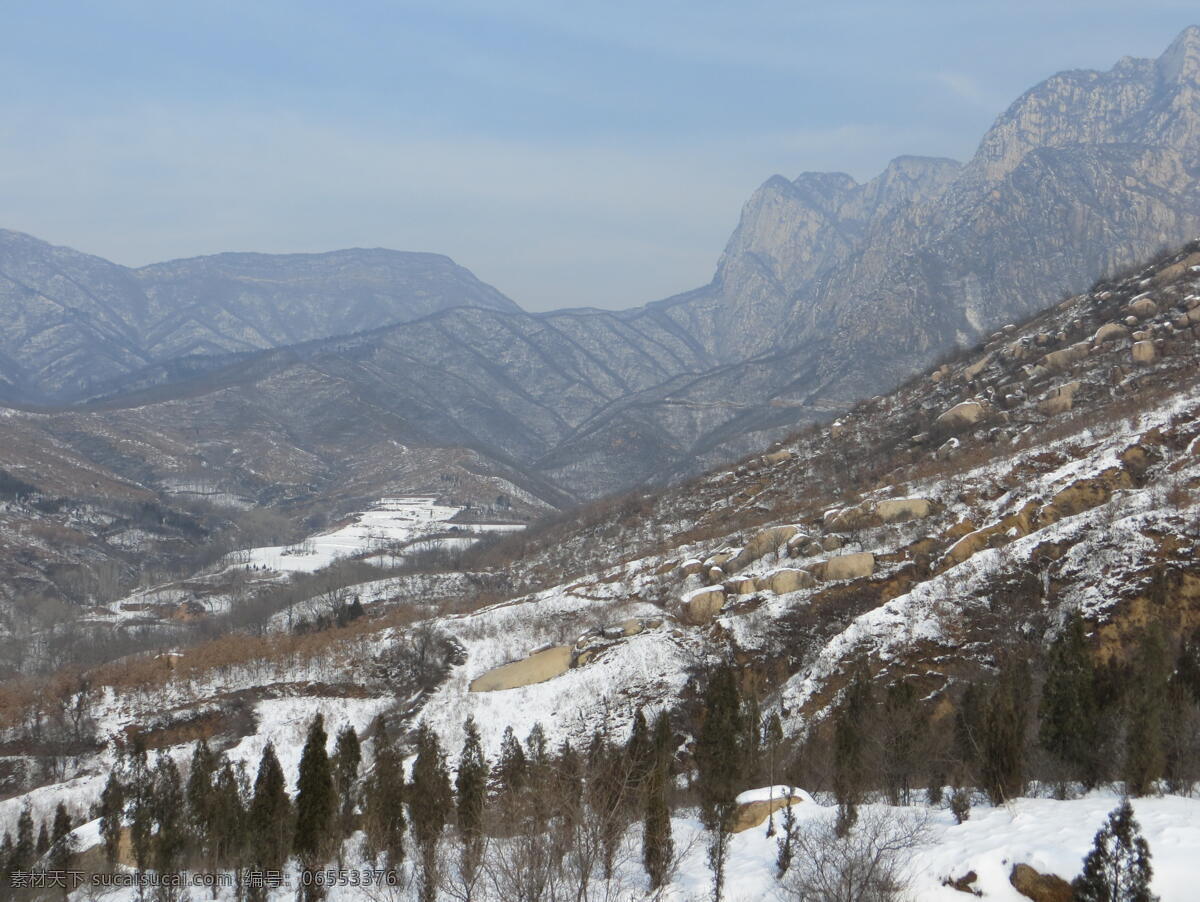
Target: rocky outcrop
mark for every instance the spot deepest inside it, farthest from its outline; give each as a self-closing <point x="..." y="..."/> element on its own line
<point x="701" y="605"/>
<point x="1032" y="884"/>
<point x="1060" y="399"/>
<point x="537" y="668"/>
<point x="846" y="566"/>
<point x="787" y="579"/>
<point x="965" y="413"/>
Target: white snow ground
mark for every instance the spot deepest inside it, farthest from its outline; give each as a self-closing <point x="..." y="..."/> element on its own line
<point x="1049" y="835"/>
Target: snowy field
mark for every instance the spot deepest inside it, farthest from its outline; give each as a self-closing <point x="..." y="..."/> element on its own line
<point x="392" y="524"/>
<point x="1050" y="836"/>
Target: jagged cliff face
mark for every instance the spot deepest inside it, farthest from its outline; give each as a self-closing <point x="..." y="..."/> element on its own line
<point x="1085" y="173"/>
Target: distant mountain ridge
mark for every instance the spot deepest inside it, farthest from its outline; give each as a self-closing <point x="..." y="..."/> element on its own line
<point x="828" y="291"/>
<point x="71" y="321"/>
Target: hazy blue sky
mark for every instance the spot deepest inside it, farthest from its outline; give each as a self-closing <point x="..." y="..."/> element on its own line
<point x="568" y="153"/>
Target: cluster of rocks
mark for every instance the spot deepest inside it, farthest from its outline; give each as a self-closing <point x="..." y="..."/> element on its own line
<point x="1119" y="330"/>
<point x="719" y="572"/>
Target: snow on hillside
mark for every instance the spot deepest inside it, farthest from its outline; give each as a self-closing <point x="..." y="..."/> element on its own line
<point x="390" y="524"/>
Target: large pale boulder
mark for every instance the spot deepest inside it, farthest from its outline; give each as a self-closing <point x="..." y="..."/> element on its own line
<point x="701" y="606"/>
<point x="1064" y="357"/>
<point x="787" y="579"/>
<point x="1060" y="399"/>
<point x="778" y="457"/>
<point x="967" y="413"/>
<point x="1143" y="307"/>
<point x="1110" y="332"/>
<point x="1144" y="352"/>
<point x="847" y="566"/>
<point x="537" y="668"/>
<point x="759" y="545"/>
<point x="897" y="510"/>
<point x="741" y="585"/>
<point x="795" y="545"/>
<point x="754" y="807"/>
<point x="691" y="567"/>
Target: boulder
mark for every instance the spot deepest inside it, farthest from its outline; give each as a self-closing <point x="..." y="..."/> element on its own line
<point x="1144" y="352"/>
<point x="847" y="566"/>
<point x="897" y="510"/>
<point x="1110" y="332"/>
<point x="1064" y="357"/>
<point x="691" y="567"/>
<point x="1040" y="887"/>
<point x="967" y="413"/>
<point x="537" y="668"/>
<point x="788" y="579"/>
<point x="702" y="605"/>
<point x="751" y="814"/>
<point x="795" y="545"/>
<point x="761" y="544"/>
<point x="831" y="542"/>
<point x="1143" y="307"/>
<point x="1060" y="399"/>
<point x="742" y="585"/>
<point x="778" y="457"/>
<point x="632" y="626"/>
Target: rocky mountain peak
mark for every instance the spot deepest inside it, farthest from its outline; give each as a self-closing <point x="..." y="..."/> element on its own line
<point x="1180" y="63"/>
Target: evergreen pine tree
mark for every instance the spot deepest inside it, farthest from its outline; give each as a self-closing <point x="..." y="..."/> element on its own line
<point x="1117" y="869"/>
<point x="383" y="801"/>
<point x="228" y="820"/>
<point x="1187" y="669"/>
<point x="470" y="783"/>
<point x="786" y="844"/>
<point x="347" y="756"/>
<point x="112" y="816"/>
<point x="1070" y="720"/>
<point x="508" y="776"/>
<point x="43" y="840"/>
<point x="568" y="778"/>
<point x="315" y="804"/>
<point x="719" y="762"/>
<point x="62" y="848"/>
<point x="1181" y="732"/>
<point x="199" y="795"/>
<point x="169" y="814"/>
<point x="849" y="749"/>
<point x="657" y="843"/>
<point x="6" y="856"/>
<point x="25" y="850"/>
<point x="141" y="812"/>
<point x="428" y="803"/>
<point x="269" y="820"/>
<point x="638" y="750"/>
<point x="539" y="804"/>
<point x="902" y="723"/>
<point x="1006" y="720"/>
<point x="1145" y="757"/>
<point x="752" y="739"/>
<point x="968" y="735"/>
